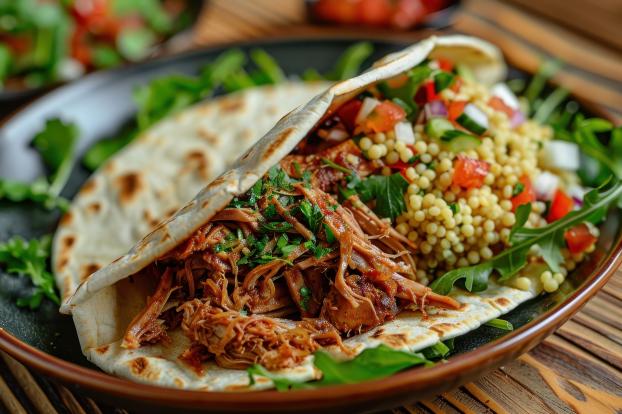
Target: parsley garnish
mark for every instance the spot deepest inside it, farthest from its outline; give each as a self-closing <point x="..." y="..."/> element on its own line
<point x="55" y="143"/>
<point x="550" y="238"/>
<point x="305" y="294"/>
<point x="312" y="214"/>
<point x="518" y="188"/>
<point x="29" y="258"/>
<point x="277" y="227"/>
<point x="455" y="208"/>
<point x="317" y="250"/>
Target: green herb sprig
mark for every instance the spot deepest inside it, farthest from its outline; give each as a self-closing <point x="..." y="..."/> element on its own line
<point x="56" y="144"/>
<point x="29" y="259"/>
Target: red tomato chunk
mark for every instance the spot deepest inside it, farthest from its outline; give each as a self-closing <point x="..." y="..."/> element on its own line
<point x="579" y="238"/>
<point x="526" y="196"/>
<point x="384" y="117"/>
<point x="561" y="205"/>
<point x="348" y="112"/>
<point x="469" y="172"/>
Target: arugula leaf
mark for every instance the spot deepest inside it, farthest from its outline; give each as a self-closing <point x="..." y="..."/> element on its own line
<point x="538" y="82"/>
<point x="372" y="363"/>
<point x="549" y="238"/>
<point x="29" y="258"/>
<point x="500" y="324"/>
<point x="388" y="191"/>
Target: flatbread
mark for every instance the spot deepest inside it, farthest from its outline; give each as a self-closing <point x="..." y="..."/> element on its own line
<point x="104" y="303"/>
<point x="160" y="171"/>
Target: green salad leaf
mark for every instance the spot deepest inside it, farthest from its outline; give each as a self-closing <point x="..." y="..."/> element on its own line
<point x="55" y="143"/>
<point x="388" y="191"/>
<point x="372" y="363"/>
<point x="549" y="239"/>
<point x="29" y="259"/>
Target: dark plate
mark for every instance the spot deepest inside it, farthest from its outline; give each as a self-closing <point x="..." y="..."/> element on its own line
<point x="47" y="341"/>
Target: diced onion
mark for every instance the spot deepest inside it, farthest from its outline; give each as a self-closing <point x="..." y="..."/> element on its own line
<point x="545" y="185"/>
<point x="435" y="109"/>
<point x="404" y="132"/>
<point x="577" y="193"/>
<point x="517" y="118"/>
<point x="503" y="92"/>
<point x="561" y="155"/>
<point x="368" y="106"/>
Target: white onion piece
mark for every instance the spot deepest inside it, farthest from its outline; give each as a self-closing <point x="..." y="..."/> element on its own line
<point x="476" y="115"/>
<point x="503" y="92"/>
<point x="577" y="193"/>
<point x="404" y="132"/>
<point x="336" y="135"/>
<point x="561" y="155"/>
<point x="545" y="185"/>
<point x="368" y="106"/>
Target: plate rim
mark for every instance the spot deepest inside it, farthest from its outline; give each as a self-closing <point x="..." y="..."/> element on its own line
<point x="455" y="370"/>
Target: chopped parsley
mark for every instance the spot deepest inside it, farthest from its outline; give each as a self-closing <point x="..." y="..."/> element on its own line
<point x="455" y="208"/>
<point x="30" y="259"/>
<point x="518" y="189"/>
<point x="305" y="295"/>
<point x="312" y="214"/>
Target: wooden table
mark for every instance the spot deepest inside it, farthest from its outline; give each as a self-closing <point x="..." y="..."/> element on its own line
<point x="579" y="368"/>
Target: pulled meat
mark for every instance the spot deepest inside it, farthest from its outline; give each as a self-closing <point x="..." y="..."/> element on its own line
<point x="285" y="249"/>
<point x="237" y="340"/>
<point x="379" y="308"/>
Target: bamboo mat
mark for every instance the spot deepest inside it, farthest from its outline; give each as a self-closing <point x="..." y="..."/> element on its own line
<point x="579" y="368"/>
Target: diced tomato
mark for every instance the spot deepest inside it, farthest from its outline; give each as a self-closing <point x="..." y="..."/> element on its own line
<point x="497" y="104"/>
<point x="560" y="206"/>
<point x="401" y="166"/>
<point x="426" y="93"/>
<point x="579" y="238"/>
<point x="384" y="117"/>
<point x="445" y="64"/>
<point x="348" y="111"/>
<point x="528" y="195"/>
<point x="455" y="109"/>
<point x="469" y="172"/>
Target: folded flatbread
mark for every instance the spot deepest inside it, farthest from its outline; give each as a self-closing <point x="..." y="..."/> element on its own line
<point x="161" y="171"/>
<point x="113" y="309"/>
